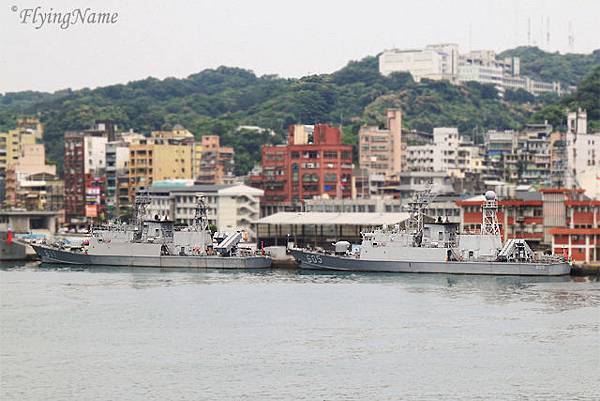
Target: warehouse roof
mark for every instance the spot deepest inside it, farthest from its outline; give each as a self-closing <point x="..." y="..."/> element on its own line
<point x="322" y="218"/>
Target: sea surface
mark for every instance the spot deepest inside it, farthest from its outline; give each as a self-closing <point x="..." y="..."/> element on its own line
<point x="146" y="334"/>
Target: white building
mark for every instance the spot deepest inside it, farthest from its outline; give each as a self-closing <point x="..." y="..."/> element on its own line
<point x="443" y="61"/>
<point x="434" y="62"/>
<point x="95" y="154"/>
<point x="583" y="154"/>
<point x="373" y="204"/>
<point x="449" y="153"/>
<point x="230" y="207"/>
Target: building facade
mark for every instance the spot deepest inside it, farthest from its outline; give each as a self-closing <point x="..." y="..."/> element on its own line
<point x="156" y="159"/>
<point x="579" y="240"/>
<point x="229" y="207"/>
<point x="313" y="163"/>
<point x="433" y="62"/>
<point x="380" y="150"/>
<point x="583" y="154"/>
<point x="443" y="61"/>
<point x="449" y="153"/>
<point x="84" y="163"/>
<point x="216" y="162"/>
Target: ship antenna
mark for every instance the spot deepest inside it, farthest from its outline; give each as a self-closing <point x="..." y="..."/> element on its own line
<point x="489" y="222"/>
<point x="417" y="212"/>
<point x="200" y="220"/>
<point x="142" y="200"/>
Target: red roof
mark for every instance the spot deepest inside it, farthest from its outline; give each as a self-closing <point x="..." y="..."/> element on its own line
<point x="574" y="231"/>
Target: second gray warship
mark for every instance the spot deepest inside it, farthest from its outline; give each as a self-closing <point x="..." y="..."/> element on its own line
<point x="437" y="247"/>
<point x="156" y="243"/>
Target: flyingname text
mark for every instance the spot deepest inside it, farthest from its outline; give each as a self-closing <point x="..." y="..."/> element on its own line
<point x="38" y="17"/>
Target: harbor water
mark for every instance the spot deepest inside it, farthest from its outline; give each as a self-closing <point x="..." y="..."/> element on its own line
<point x="147" y="334"/>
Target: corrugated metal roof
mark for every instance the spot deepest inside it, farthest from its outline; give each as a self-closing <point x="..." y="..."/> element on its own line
<point x="321" y="218"/>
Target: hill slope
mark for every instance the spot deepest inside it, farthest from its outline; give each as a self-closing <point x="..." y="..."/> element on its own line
<point x="218" y="100"/>
<point x="568" y="69"/>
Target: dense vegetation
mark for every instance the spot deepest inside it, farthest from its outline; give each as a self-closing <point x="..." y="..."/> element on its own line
<point x="568" y="69"/>
<point x="218" y="100"/>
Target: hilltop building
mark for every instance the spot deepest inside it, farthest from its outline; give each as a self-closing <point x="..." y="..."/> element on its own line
<point x="443" y="62"/>
<point x="433" y="62"/>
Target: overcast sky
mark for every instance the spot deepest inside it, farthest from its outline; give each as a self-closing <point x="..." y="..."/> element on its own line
<point x="163" y="38"/>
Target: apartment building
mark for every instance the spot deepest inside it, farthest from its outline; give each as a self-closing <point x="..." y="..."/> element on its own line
<point x="229" y="207"/>
<point x="155" y="159"/>
<point x="582" y="153"/>
<point x="572" y="224"/>
<point x="449" y="153"/>
<point x="84" y="163"/>
<point x="313" y="163"/>
<point x="30" y="182"/>
<point x="215" y="164"/>
<point x="12" y="144"/>
<point x="380" y="150"/>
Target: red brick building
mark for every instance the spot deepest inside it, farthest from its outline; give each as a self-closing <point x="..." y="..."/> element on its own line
<point x="84" y="167"/>
<point x="579" y="239"/>
<point x="313" y="163"/>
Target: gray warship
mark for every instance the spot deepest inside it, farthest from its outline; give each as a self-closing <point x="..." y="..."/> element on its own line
<point x="156" y="243"/>
<point x="437" y="247"/>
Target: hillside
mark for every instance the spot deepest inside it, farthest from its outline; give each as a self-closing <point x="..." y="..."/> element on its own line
<point x="218" y="100"/>
<point x="568" y="69"/>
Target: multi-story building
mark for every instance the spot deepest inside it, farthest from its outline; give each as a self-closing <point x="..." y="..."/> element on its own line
<point x="480" y="66"/>
<point x="84" y="163"/>
<point x="583" y="154"/>
<point x="449" y="153"/>
<point x="373" y="204"/>
<point x="313" y="163"/>
<point x="12" y="144"/>
<point x="229" y="207"/>
<point x="433" y="62"/>
<point x="573" y="224"/>
<point x="411" y="182"/>
<point x="30" y="180"/>
<point x="156" y="159"/>
<point x="216" y="162"/>
<point x="117" y="178"/>
<point x="380" y="150"/>
<point x="443" y="61"/>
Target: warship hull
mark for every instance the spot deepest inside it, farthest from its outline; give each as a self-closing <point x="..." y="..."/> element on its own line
<point x="13" y="250"/>
<point x="319" y="261"/>
<point x="56" y="256"/>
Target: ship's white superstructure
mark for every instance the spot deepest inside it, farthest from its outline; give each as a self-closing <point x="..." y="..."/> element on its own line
<point x="154" y="242"/>
<point x="436" y="247"/>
